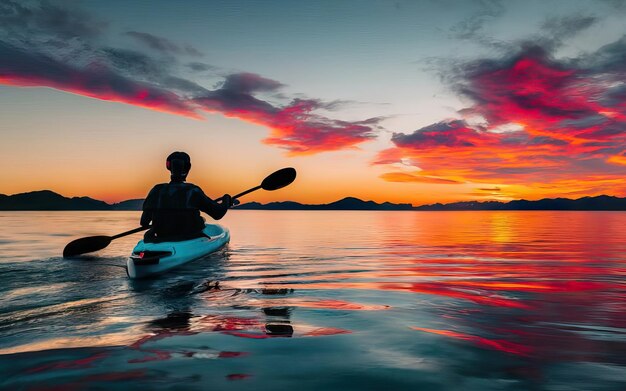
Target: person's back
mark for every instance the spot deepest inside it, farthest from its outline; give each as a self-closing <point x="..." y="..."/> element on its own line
<point x="174" y="208"/>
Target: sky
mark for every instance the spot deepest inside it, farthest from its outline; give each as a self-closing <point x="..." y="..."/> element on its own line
<point x="404" y="101"/>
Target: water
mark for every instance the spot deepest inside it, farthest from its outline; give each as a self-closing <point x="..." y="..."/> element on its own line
<point x="322" y="300"/>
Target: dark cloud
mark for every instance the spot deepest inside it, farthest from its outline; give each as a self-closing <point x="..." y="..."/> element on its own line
<point x="20" y="68"/>
<point x="163" y="45"/>
<point x="43" y="16"/>
<point x="553" y="32"/>
<point x="556" y="29"/>
<point x="237" y="95"/>
<point x="133" y="62"/>
<point x="471" y="27"/>
<point x="295" y="126"/>
<point x="545" y="140"/>
<point x="609" y="62"/>
<point x="560" y="27"/>
<point x="447" y="133"/>
<point x="200" y="67"/>
<point x="619" y="5"/>
<point x="142" y="67"/>
<point x="585" y="122"/>
<point x="37" y="38"/>
<point x="247" y="83"/>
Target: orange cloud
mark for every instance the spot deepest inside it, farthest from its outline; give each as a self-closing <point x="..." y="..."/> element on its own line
<point x="406" y="177"/>
<point x="570" y="128"/>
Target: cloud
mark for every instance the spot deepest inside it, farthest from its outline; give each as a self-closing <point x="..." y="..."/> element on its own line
<point x="449" y="133"/>
<point x="404" y="177"/>
<point x="569" y="120"/>
<point x="163" y="45"/>
<point x="471" y="27"/>
<point x="132" y="62"/>
<point x="45" y="45"/>
<point x="618" y="159"/>
<point x="618" y="5"/>
<point x="44" y="16"/>
<point x="552" y="33"/>
<point x="20" y="68"/>
<point x="561" y="27"/>
<point x="200" y="66"/>
<point x="295" y="127"/>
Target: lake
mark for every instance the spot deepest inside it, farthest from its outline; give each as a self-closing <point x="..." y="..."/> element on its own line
<point x="310" y="300"/>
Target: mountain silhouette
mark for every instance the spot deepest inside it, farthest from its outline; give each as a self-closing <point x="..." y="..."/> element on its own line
<point x="348" y="203"/>
<point x="602" y="202"/>
<point x="49" y="200"/>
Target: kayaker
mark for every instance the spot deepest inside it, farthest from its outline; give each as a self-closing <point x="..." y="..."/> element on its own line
<point x="174" y="208"/>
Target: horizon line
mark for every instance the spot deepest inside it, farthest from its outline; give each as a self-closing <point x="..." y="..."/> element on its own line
<point x="341" y="199"/>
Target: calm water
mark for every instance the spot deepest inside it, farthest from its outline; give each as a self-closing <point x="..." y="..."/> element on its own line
<point x="322" y="300"/>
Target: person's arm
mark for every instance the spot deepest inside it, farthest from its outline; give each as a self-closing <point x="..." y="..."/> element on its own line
<point x="146" y="218"/>
<point x="148" y="207"/>
<point x="216" y="210"/>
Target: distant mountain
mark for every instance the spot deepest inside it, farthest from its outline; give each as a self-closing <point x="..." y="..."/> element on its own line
<point x="602" y="202"/>
<point x="49" y="200"/>
<point x="348" y="203"/>
<point x="128" y="205"/>
<point x="286" y="205"/>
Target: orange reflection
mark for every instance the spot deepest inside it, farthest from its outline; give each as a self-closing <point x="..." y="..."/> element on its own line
<point x="321" y="304"/>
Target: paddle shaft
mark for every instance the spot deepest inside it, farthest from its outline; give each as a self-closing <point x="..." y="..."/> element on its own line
<point x="132" y="231"/>
<point x="241" y="194"/>
<point x="246" y="192"/>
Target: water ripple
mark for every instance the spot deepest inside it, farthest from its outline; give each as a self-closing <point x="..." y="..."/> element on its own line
<point x="484" y="300"/>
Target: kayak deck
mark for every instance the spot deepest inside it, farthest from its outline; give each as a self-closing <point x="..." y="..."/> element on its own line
<point x="148" y="259"/>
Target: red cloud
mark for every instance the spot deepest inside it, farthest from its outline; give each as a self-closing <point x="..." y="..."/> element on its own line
<point x="294" y="127"/>
<point x="569" y="127"/>
<point x="531" y="87"/>
<point x="301" y="132"/>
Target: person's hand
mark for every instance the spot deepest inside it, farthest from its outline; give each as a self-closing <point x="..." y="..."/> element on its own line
<point x="235" y="202"/>
<point x="227" y="200"/>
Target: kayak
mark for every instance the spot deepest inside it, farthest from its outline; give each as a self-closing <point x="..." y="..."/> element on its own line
<point x="149" y="259"/>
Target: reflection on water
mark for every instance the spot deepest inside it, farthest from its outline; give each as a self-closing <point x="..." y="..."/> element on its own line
<point x="345" y="300"/>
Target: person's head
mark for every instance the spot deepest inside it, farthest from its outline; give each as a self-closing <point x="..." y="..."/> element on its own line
<point x="179" y="164"/>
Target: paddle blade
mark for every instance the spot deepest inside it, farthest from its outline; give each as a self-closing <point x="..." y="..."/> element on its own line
<point x="86" y="245"/>
<point x="279" y="179"/>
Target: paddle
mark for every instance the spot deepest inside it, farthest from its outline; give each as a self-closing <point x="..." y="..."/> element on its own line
<point x="274" y="181"/>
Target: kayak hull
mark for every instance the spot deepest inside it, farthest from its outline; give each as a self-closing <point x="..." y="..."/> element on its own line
<point x="149" y="259"/>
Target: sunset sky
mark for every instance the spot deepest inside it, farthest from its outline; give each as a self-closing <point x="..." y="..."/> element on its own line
<point x="401" y="101"/>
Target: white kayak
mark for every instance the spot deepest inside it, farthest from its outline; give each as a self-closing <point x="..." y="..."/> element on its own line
<point x="153" y="258"/>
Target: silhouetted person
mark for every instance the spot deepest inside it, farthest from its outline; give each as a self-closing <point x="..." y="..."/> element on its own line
<point x="174" y="208"/>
